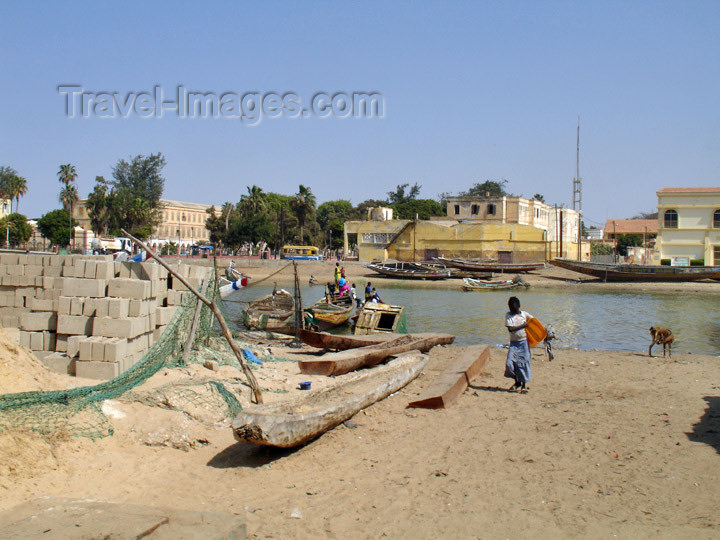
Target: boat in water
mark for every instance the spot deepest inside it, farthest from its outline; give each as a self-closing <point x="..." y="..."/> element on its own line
<point x="639" y="272"/>
<point x="375" y="317"/>
<point x="274" y="313"/>
<point x="294" y="422"/>
<point x="470" y="284"/>
<point x="490" y="266"/>
<point x="329" y="312"/>
<point x="406" y="270"/>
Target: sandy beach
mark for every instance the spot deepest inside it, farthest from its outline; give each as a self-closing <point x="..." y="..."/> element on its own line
<point x="605" y="445"/>
<point x="551" y="277"/>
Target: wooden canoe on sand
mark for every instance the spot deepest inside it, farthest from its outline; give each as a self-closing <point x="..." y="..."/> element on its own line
<point x="293" y="422"/>
<point x="323" y="340"/>
<point x="350" y="360"/>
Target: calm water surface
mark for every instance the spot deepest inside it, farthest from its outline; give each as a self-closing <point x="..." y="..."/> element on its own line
<point x="582" y="320"/>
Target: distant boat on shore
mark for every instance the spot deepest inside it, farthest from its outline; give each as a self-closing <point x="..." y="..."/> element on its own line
<point x="490" y="266"/>
<point x="639" y="272"/>
<point x="408" y="270"/>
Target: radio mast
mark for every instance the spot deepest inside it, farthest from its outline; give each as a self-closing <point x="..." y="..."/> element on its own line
<point x="577" y="192"/>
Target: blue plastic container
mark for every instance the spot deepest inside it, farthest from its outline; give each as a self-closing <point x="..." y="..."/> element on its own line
<point x="304" y="386"/>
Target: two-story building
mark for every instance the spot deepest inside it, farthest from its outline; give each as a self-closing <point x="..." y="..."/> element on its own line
<point x="689" y="225"/>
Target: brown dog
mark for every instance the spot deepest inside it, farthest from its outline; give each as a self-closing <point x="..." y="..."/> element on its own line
<point x="661" y="335"/>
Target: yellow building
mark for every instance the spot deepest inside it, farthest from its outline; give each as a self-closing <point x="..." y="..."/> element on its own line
<point x="181" y="222"/>
<point x="406" y="240"/>
<point x="689" y="224"/>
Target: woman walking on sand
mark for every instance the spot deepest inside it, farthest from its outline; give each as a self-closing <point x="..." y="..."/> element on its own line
<point x="517" y="365"/>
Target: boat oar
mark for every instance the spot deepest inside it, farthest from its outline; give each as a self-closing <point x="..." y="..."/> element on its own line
<point x="216" y="311"/>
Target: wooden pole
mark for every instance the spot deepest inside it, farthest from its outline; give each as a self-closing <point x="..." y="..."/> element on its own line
<point x="216" y="311"/>
<point x="193" y="329"/>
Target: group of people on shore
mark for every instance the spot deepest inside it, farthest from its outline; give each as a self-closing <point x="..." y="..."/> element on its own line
<point x="344" y="288"/>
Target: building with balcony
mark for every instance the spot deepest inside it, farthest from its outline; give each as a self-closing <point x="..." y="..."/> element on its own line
<point x="689" y="225"/>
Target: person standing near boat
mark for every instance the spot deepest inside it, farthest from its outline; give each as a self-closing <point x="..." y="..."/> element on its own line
<point x="338" y="274"/>
<point x="517" y="365"/>
<point x="368" y="292"/>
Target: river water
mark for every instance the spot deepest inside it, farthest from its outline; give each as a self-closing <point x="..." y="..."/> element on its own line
<point x="582" y="319"/>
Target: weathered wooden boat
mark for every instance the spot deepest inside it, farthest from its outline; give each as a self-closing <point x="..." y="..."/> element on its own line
<point x="323" y="340"/>
<point x="375" y="317"/>
<point x="294" y="422"/>
<point x="470" y="284"/>
<point x="484" y="266"/>
<point x="274" y="312"/>
<point x="329" y="313"/>
<point x="350" y="360"/>
<point x="639" y="272"/>
<point x="406" y="270"/>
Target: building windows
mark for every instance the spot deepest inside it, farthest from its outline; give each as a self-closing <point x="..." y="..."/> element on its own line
<point x="457" y="209"/>
<point x="671" y="219"/>
<point x="475" y="209"/>
<point x="716" y="219"/>
<point x="491" y="209"/>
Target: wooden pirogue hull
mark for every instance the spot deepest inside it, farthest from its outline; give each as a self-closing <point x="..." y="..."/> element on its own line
<point x="330" y="315"/>
<point x="323" y="340"/>
<point x="350" y="360"/>
<point x="492" y="266"/>
<point x="479" y="285"/>
<point x="409" y="271"/>
<point x="637" y="272"/>
<point x="294" y="422"/>
<point x="274" y="313"/>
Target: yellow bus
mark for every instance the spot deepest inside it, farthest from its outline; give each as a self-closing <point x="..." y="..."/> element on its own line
<point x="301" y="253"/>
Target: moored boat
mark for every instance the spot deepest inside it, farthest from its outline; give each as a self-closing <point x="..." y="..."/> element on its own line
<point x="329" y="312"/>
<point x="376" y="317"/>
<point x="273" y="312"/>
<point x="639" y="272"/>
<point x="294" y="422"/>
<point x="350" y="360"/>
<point x="408" y="270"/>
<point x="494" y="266"/>
<point x="482" y="285"/>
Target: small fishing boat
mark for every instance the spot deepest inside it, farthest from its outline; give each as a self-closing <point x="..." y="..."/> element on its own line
<point x="324" y="340"/>
<point x="352" y="359"/>
<point x="227" y="287"/>
<point x="329" y="312"/>
<point x="470" y="284"/>
<point x="294" y="422"/>
<point x="375" y="317"/>
<point x="273" y="312"/>
<point x="494" y="266"/>
<point x="640" y="272"/>
<point x="406" y="270"/>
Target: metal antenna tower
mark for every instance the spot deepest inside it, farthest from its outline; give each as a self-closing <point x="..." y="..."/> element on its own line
<point x="577" y="191"/>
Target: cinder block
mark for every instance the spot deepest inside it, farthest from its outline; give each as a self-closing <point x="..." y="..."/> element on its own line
<point x="73" y="348"/>
<point x="38" y="321"/>
<point x="86" y="349"/>
<point x="115" y="349"/>
<point x="129" y="288"/>
<point x="127" y="327"/>
<point x="118" y="308"/>
<point x="101" y="307"/>
<point x="97" y="370"/>
<point x="139" y="308"/>
<point x="61" y="343"/>
<point x="76" y="305"/>
<point x="10" y="321"/>
<point x="64" y="303"/>
<point x="98" y="348"/>
<point x="59" y="363"/>
<point x="36" y="341"/>
<point x="24" y="338"/>
<point x="105" y="270"/>
<point x="49" y="341"/>
<point x="164" y="315"/>
<point x="32" y="270"/>
<point x="93" y="288"/>
<point x="78" y="268"/>
<point x="75" y="325"/>
<point x="41" y="304"/>
<point x="90" y="270"/>
<point x="89" y="307"/>
<point x="52" y="271"/>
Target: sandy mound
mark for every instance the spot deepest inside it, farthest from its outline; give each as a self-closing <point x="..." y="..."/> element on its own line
<point x="20" y="371"/>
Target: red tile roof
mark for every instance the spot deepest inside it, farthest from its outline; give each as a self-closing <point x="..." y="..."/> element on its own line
<point x="690" y="190"/>
<point x="626" y="226"/>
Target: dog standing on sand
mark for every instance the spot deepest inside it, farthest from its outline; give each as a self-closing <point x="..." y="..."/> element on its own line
<point x="662" y="336"/>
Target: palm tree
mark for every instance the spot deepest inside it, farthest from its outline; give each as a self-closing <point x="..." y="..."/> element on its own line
<point x="17" y="187"/>
<point x="67" y="174"/>
<point x="227" y="209"/>
<point x="6" y="176"/>
<point x="69" y="196"/>
<point x="254" y="201"/>
<point x="303" y="205"/>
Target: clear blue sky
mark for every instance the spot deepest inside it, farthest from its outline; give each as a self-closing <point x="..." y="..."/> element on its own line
<point x="473" y="91"/>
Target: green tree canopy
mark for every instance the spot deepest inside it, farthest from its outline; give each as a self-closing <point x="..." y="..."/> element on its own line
<point x="16" y="226"/>
<point x="491" y="187"/>
<point x="402" y="194"/>
<point x="423" y="208"/>
<point x="12" y="186"/>
<point x="626" y="240"/>
<point x="68" y="197"/>
<point x="67" y="174"/>
<point x="303" y="205"/>
<point x="57" y="227"/>
<point x="539" y="197"/>
<point x="331" y="218"/>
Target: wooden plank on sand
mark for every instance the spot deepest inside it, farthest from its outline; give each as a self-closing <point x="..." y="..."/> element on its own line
<point x="452" y="382"/>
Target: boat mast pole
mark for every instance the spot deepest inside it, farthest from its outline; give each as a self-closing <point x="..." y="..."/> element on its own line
<point x="296" y="343"/>
<point x="577" y="191"/>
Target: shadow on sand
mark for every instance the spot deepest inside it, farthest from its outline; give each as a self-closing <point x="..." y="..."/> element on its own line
<point x="248" y="455"/>
<point x="707" y="430"/>
<point x="488" y="388"/>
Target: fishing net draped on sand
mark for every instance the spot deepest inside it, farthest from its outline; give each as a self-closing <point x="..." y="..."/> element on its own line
<point x="78" y="411"/>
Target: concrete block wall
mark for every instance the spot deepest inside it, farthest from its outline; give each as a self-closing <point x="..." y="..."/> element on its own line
<point x="88" y="315"/>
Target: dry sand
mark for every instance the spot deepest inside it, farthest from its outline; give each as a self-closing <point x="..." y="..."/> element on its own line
<point x="605" y="445"/>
